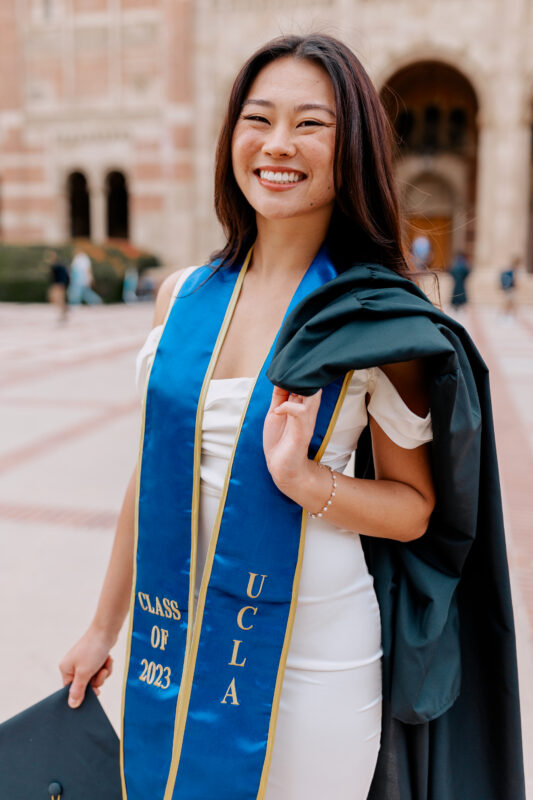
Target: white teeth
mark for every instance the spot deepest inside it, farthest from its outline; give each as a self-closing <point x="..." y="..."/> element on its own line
<point x="280" y="177"/>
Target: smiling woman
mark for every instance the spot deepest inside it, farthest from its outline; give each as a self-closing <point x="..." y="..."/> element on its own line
<point x="259" y="674"/>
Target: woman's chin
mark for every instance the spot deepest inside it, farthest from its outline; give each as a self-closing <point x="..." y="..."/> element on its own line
<point x="297" y="215"/>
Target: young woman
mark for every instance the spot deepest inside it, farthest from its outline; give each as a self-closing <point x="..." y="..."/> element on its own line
<point x="255" y="640"/>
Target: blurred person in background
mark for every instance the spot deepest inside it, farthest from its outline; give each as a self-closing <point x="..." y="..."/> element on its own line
<point x="459" y="270"/>
<point x="298" y="633"/>
<point x="129" y="287"/>
<point x="146" y="287"/>
<point x="59" y="282"/>
<point x="82" y="280"/>
<point x="421" y="252"/>
<point x="508" y="286"/>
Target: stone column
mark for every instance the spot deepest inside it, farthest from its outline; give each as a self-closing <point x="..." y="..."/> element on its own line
<point x="98" y="207"/>
<point x="60" y="228"/>
<point x="502" y="191"/>
<point x="177" y="153"/>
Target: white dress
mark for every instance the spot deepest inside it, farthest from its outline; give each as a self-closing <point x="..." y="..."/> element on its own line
<point x="329" y="722"/>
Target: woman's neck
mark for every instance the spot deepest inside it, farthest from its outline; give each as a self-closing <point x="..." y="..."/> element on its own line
<point x="284" y="248"/>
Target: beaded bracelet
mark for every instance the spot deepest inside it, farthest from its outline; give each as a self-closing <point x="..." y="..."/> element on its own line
<point x="331" y="496"/>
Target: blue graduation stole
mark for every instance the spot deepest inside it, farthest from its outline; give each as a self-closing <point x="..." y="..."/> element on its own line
<point x="202" y="688"/>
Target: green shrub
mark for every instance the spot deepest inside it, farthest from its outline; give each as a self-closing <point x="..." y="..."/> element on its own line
<point x="24" y="274"/>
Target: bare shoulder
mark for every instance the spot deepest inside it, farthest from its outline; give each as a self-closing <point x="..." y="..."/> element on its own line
<point x="411" y="381"/>
<point x="164" y="295"/>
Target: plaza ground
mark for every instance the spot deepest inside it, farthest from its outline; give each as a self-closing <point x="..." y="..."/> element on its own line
<point x="68" y="444"/>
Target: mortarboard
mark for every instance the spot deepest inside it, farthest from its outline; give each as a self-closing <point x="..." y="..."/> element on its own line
<point x="55" y="752"/>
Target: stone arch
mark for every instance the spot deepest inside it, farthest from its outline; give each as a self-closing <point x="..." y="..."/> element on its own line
<point x="445" y="167"/>
<point x="457" y="60"/>
<point x="79" y="210"/>
<point x="434" y="109"/>
<point x="117" y="205"/>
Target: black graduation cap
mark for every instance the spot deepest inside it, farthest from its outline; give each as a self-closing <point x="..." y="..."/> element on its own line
<point x="53" y="752"/>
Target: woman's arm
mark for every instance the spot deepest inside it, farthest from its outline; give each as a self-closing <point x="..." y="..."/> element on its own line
<point x="397" y="505"/>
<point x="89" y="660"/>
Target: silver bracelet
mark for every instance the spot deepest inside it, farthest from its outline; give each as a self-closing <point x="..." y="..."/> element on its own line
<point x="329" y="501"/>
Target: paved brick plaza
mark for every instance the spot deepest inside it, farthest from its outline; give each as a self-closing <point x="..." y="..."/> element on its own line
<point x="70" y="414"/>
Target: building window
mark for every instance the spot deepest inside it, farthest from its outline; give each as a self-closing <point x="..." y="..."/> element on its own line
<point x="79" y="206"/>
<point x="117" y="206"/>
<point x="405" y="125"/>
<point x="430" y="137"/>
<point x="457" y="127"/>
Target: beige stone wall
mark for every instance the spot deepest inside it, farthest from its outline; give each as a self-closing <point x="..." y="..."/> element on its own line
<point x="97" y="86"/>
<point x="140" y="86"/>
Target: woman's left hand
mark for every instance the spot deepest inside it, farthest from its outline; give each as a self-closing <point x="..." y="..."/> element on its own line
<point x="287" y="432"/>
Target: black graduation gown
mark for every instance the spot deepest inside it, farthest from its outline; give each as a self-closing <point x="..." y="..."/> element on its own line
<point x="451" y="717"/>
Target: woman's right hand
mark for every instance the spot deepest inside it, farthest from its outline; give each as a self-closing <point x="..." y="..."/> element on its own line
<point x="87" y="662"/>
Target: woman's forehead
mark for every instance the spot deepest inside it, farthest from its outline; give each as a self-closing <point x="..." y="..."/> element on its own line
<point x="291" y="80"/>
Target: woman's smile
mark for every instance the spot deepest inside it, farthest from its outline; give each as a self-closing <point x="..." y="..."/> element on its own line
<point x="279" y="179"/>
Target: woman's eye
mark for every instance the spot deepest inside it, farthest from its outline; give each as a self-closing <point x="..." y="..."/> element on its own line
<point x="255" y="118"/>
<point x="307" y="123"/>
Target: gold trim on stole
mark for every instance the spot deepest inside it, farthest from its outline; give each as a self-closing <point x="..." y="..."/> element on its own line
<point x="133" y="580"/>
<point x="196" y="492"/>
<point x="191" y="647"/>
<point x="183" y="709"/>
<point x="294" y="601"/>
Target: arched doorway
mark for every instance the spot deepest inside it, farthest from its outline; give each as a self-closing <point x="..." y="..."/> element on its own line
<point x="429" y="207"/>
<point x="79" y="206"/>
<point x="117" y="206"/>
<point x="433" y="109"/>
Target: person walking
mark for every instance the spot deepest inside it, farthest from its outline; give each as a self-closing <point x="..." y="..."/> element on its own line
<point x="59" y="282"/>
<point x="459" y="270"/>
<point x="421" y="252"/>
<point x="298" y="633"/>
<point x="129" y="286"/>
<point x="508" y="281"/>
<point x="81" y="281"/>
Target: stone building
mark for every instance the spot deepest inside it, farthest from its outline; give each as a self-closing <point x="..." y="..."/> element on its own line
<point x="109" y="111"/>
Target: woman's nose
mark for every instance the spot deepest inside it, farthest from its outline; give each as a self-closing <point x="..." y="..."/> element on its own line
<point x="279" y="143"/>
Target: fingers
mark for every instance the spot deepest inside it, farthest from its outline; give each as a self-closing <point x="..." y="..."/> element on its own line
<point x="77" y="690"/>
<point x="279" y="396"/>
<point x="98" y="679"/>
<point x="297" y="405"/>
<point x="81" y="679"/>
<point x="293" y="408"/>
<point x="67" y="672"/>
<point x="102" y="674"/>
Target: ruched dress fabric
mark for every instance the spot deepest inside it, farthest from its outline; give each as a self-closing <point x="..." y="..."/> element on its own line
<point x="329" y="722"/>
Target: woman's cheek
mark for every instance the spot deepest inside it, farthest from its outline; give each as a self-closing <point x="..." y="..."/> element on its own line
<point x="243" y="150"/>
<point x="245" y="143"/>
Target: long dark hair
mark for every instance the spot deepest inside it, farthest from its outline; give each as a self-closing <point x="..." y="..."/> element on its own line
<point x="365" y="225"/>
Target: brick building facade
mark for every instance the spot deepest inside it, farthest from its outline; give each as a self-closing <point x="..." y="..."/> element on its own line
<point x="109" y="111"/>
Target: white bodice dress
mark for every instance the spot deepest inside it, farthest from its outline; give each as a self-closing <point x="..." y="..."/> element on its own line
<point x="328" y="729"/>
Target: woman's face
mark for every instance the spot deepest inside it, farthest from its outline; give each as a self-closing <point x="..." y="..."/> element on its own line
<point x="284" y="142"/>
